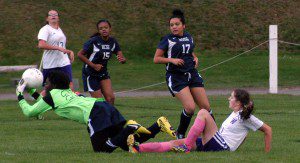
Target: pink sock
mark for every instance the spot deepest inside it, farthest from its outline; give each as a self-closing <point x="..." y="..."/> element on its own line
<point x="194" y="133"/>
<point x="155" y="147"/>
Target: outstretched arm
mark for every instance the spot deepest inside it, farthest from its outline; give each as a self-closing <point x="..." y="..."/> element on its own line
<point x="31" y="110"/>
<point x="34" y="110"/>
<point x="268" y="136"/>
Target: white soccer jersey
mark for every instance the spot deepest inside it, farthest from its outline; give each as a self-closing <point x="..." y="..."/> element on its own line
<point x="234" y="129"/>
<point x="55" y="37"/>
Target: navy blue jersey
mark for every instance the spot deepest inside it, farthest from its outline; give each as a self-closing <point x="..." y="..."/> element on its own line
<point x="99" y="52"/>
<point x="180" y="47"/>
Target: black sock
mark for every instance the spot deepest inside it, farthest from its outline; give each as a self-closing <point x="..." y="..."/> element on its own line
<point x="185" y="120"/>
<point x="108" y="147"/>
<point x="121" y="138"/>
<point x="211" y="114"/>
<point x="154" y="129"/>
<point x="99" y="140"/>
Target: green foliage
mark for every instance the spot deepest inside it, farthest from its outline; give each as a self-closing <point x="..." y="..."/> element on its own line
<point x="138" y="25"/>
<point x="56" y="139"/>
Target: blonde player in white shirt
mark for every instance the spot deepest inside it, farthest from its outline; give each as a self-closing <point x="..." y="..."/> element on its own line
<point x="230" y="136"/>
<point x="53" y="41"/>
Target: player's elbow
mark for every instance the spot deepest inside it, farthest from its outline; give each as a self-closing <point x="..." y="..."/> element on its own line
<point x="80" y="54"/>
<point x="155" y="60"/>
<point x="268" y="131"/>
<point x="41" y="45"/>
<point x="29" y="114"/>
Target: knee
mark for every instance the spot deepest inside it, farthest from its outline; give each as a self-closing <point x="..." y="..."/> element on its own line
<point x="206" y="106"/>
<point x="203" y="113"/>
<point x="110" y="99"/>
<point x="189" y="109"/>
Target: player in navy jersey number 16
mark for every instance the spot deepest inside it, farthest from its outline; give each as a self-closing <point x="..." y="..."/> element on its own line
<point x="176" y="50"/>
<point x="95" y="54"/>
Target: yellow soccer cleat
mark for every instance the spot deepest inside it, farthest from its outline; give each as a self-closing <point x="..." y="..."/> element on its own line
<point x="165" y="126"/>
<point x="137" y="127"/>
<point x="181" y="149"/>
<point x="132" y="145"/>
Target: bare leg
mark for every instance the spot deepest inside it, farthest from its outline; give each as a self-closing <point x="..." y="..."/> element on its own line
<point x="96" y="94"/>
<point x="186" y="98"/>
<point x="107" y="91"/>
<point x="200" y="98"/>
<point x="71" y="86"/>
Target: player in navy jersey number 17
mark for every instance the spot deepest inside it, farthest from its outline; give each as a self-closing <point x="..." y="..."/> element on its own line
<point x="95" y="54"/>
<point x="176" y="50"/>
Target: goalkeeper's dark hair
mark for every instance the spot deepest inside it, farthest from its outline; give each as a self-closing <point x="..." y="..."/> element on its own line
<point x="247" y="104"/>
<point x="177" y="13"/>
<point x="59" y="80"/>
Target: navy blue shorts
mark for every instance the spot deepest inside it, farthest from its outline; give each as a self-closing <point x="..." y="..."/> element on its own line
<point x="91" y="83"/>
<point x="216" y="143"/>
<point x="177" y="81"/>
<point x="66" y="69"/>
<point x="104" y="116"/>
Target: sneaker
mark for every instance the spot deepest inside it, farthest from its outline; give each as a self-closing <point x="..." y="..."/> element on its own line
<point x="181" y="149"/>
<point x="179" y="136"/>
<point x="132" y="145"/>
<point x="165" y="126"/>
<point x="137" y="127"/>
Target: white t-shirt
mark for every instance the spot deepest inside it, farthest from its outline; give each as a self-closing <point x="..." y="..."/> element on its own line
<point x="55" y="37"/>
<point x="234" y="129"/>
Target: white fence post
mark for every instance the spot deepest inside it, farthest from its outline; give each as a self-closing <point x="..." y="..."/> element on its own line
<point x="273" y="59"/>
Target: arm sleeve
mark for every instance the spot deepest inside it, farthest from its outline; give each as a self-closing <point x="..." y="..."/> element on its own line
<point x="163" y="44"/>
<point x="88" y="47"/>
<point x="43" y="34"/>
<point x="253" y="123"/>
<point x="34" y="110"/>
<point x="193" y="45"/>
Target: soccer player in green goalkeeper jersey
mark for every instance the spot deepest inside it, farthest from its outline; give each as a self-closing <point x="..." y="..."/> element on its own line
<point x="107" y="127"/>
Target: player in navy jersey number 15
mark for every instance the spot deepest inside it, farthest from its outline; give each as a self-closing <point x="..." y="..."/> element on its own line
<point x="176" y="50"/>
<point x="95" y="54"/>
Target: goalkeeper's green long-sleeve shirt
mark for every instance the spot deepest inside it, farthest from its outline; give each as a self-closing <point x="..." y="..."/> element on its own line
<point x="64" y="102"/>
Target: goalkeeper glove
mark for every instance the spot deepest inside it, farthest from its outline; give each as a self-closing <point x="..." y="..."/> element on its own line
<point x="20" y="89"/>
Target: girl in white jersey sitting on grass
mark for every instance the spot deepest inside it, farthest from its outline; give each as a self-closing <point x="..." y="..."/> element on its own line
<point x="204" y="134"/>
<point x="108" y="129"/>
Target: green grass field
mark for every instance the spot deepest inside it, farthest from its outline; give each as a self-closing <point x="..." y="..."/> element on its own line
<point x="249" y="70"/>
<point x="59" y="140"/>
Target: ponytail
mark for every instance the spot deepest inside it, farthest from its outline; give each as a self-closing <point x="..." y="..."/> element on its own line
<point x="247" y="110"/>
<point x="248" y="105"/>
<point x="177" y="13"/>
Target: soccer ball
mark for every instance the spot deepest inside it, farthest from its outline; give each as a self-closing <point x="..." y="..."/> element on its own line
<point x="33" y="78"/>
